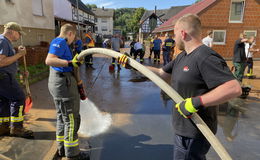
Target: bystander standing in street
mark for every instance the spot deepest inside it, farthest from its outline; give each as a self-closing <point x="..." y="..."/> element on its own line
<point x="157" y="42"/>
<point x="239" y="59"/>
<point x="78" y="45"/>
<point x="250" y="50"/>
<point x="12" y="97"/>
<point x="63" y="88"/>
<point x="138" y="47"/>
<point x="116" y="42"/>
<point x="168" y="46"/>
<point x="89" y="42"/>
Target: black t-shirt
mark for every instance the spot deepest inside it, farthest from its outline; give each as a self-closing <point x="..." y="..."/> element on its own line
<point x="192" y="75"/>
<point x="239" y="52"/>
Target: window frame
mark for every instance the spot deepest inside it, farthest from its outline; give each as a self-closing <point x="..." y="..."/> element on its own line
<point x="250" y="31"/>
<point x="243" y="12"/>
<point x="219" y="43"/>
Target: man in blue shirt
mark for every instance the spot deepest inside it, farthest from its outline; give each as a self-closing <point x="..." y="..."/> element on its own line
<point x="12" y="97"/>
<point x="157" y="42"/>
<point x="63" y="88"/>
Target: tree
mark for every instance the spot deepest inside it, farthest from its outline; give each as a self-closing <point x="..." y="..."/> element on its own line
<point x="90" y="6"/>
<point x="197" y="1"/>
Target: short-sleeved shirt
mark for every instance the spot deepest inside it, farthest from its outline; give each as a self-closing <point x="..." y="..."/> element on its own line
<point x="193" y="75"/>
<point x="78" y="43"/>
<point x="7" y="49"/>
<point x="157" y="44"/>
<point x="168" y="43"/>
<point x="207" y="41"/>
<point x="60" y="48"/>
<point x="115" y="44"/>
<point x="239" y="52"/>
<point x="248" y="46"/>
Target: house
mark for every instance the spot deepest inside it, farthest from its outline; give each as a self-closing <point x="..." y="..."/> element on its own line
<point x="226" y="18"/>
<point x="104" y="21"/>
<point x="35" y="16"/>
<point x="152" y="19"/>
<point x="82" y="16"/>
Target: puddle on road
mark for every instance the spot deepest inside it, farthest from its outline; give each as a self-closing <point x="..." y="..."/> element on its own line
<point x="139" y="79"/>
<point x="93" y="122"/>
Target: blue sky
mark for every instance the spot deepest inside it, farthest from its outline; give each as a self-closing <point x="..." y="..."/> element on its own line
<point x="147" y="4"/>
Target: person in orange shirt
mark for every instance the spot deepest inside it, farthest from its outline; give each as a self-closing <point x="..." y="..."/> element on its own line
<point x="89" y="42"/>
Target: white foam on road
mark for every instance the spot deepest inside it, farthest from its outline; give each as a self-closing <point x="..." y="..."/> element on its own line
<point x="93" y="122"/>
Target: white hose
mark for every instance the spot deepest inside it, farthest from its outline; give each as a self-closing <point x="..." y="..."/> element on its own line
<point x="219" y="148"/>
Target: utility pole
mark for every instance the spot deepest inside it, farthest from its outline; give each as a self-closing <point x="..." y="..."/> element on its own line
<point x="78" y="17"/>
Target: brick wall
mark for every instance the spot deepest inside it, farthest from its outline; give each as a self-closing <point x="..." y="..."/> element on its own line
<point x="35" y="55"/>
<point x="216" y="17"/>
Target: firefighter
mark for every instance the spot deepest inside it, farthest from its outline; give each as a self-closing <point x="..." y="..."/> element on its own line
<point x="89" y="42"/>
<point x="12" y="97"/>
<point x="63" y="88"/>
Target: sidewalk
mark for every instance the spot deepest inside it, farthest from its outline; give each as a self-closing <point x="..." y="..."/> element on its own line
<point x="41" y="120"/>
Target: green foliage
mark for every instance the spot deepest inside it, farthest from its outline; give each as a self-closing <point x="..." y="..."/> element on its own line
<point x="127" y="19"/>
<point x="197" y="1"/>
<point x="90" y="6"/>
<point x="36" y="72"/>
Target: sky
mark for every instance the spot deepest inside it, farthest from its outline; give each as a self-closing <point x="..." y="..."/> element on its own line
<point x="147" y="4"/>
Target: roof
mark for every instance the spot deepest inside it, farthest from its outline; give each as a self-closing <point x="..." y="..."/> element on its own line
<point x="163" y="14"/>
<point x="103" y="12"/>
<point x="193" y="9"/>
<point x="82" y="6"/>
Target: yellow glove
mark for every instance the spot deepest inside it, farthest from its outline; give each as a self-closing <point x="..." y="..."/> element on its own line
<point x="189" y="106"/>
<point x="75" y="62"/>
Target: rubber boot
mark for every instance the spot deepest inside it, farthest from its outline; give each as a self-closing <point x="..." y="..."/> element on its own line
<point x="81" y="156"/>
<point x="4" y="129"/>
<point x="21" y="132"/>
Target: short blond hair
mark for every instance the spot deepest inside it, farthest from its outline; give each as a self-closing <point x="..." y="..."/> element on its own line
<point x="67" y="28"/>
<point x="191" y="23"/>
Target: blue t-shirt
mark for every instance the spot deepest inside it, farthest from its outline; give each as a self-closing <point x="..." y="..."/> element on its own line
<point x="157" y="44"/>
<point x="60" y="48"/>
<point x="7" y="49"/>
<point x="78" y="45"/>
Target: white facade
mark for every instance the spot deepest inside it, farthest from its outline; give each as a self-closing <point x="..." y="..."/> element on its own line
<point x="29" y="13"/>
<point x="62" y="9"/>
<point x="35" y="16"/>
<point x="104" y="25"/>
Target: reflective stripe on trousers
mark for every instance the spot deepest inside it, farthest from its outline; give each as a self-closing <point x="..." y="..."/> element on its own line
<point x="63" y="88"/>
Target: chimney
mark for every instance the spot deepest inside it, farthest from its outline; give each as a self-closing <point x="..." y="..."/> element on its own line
<point x="155" y="10"/>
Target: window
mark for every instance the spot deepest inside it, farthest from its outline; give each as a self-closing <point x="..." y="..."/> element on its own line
<point x="96" y="28"/>
<point x="96" y="20"/>
<point x="104" y="28"/>
<point x="219" y="37"/>
<point x="250" y="33"/>
<point x="104" y="20"/>
<point x="37" y="7"/>
<point x="237" y="11"/>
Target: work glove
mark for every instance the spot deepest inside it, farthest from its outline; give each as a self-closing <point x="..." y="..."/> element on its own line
<point x="189" y="106"/>
<point x="123" y="60"/>
<point x="75" y="63"/>
<point x="81" y="91"/>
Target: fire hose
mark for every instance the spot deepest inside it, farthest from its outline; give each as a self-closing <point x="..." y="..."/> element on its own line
<point x="202" y="126"/>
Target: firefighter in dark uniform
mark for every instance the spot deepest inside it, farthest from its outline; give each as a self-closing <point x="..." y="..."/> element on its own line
<point x="12" y="97"/>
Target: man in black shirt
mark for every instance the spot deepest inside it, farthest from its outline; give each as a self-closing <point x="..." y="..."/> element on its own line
<point x="239" y="59"/>
<point x="202" y="77"/>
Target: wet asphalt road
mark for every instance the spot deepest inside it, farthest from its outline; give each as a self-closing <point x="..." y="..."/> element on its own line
<point x="141" y="120"/>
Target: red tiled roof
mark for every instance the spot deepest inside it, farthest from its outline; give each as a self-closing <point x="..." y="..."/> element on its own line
<point x="193" y="9"/>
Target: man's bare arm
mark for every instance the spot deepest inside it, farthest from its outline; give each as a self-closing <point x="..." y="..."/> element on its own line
<point x="55" y="61"/>
<point x="222" y="93"/>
